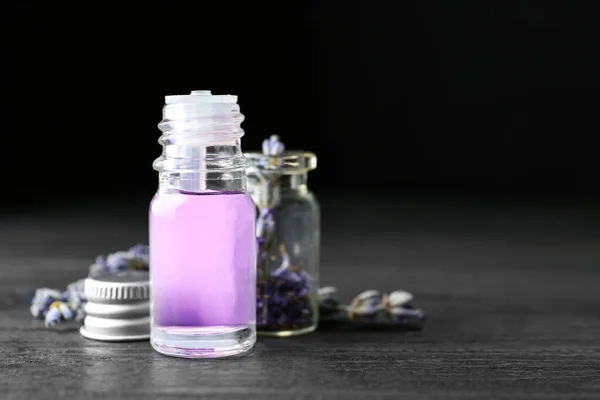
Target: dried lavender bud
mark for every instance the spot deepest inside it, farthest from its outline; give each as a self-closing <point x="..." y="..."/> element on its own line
<point x="272" y="146"/>
<point x="140" y="253"/>
<point x="328" y="302"/>
<point x="365" y="306"/>
<point x="57" y="312"/>
<point x="54" y="306"/>
<point x="43" y="298"/>
<point x="52" y="317"/>
<point x="80" y="314"/>
<point x="74" y="296"/>
<point x="370" y="297"/>
<point x="364" y="313"/>
<point x="398" y="298"/>
<point x="403" y="315"/>
<point x="265" y="226"/>
<point x="99" y="267"/>
<point x="283" y="301"/>
<point x="117" y="262"/>
<point x="371" y="308"/>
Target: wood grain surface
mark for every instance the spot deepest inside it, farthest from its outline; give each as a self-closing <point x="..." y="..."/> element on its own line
<point x="512" y="296"/>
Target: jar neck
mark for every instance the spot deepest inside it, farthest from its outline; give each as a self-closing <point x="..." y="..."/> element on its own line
<point x="294" y="182"/>
<point x="270" y="188"/>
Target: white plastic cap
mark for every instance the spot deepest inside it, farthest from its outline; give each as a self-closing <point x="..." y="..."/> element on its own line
<point x="201" y="92"/>
<point x="200" y="98"/>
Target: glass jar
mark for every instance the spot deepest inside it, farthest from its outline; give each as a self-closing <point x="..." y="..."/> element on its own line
<point x="202" y="232"/>
<point x="288" y="236"/>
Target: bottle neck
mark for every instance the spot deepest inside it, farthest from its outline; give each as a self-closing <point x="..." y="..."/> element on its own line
<point x="199" y="168"/>
<point x="201" y="146"/>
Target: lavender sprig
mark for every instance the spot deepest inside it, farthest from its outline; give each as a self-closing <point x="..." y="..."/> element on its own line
<point x="54" y="306"/>
<point x="272" y="146"/>
<point x="136" y="258"/>
<point x="265" y="231"/>
<point x="371" y="307"/>
<point x="283" y="300"/>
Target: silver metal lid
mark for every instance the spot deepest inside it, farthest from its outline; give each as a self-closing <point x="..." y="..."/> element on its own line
<point x="118" y="307"/>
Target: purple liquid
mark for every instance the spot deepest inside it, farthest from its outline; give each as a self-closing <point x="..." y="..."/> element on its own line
<point x="202" y="260"/>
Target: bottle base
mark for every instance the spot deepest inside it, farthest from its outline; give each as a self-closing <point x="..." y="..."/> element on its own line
<point x="203" y="342"/>
<point x="287" y="333"/>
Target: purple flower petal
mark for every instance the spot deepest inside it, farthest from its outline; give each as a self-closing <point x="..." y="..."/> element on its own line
<point x="401" y="314"/>
<point x="282" y="272"/>
<point x="65" y="310"/>
<point x="52" y="317"/>
<point x="272" y="146"/>
<point x="42" y="300"/>
<point x="118" y="261"/>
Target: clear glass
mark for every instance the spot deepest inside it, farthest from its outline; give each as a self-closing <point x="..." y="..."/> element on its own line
<point x="288" y="240"/>
<point x="202" y="233"/>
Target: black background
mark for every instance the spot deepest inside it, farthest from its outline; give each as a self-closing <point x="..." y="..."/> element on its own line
<point x="494" y="99"/>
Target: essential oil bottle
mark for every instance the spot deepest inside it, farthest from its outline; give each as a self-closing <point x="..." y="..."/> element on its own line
<point x="202" y="232"/>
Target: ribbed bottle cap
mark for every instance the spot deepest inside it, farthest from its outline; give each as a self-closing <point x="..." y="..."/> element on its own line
<point x="118" y="307"/>
<point x="120" y="288"/>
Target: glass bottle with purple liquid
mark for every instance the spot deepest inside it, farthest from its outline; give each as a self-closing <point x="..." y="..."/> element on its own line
<point x="202" y="232"/>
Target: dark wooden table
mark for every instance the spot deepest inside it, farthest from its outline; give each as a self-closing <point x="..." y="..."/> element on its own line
<point x="512" y="296"/>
